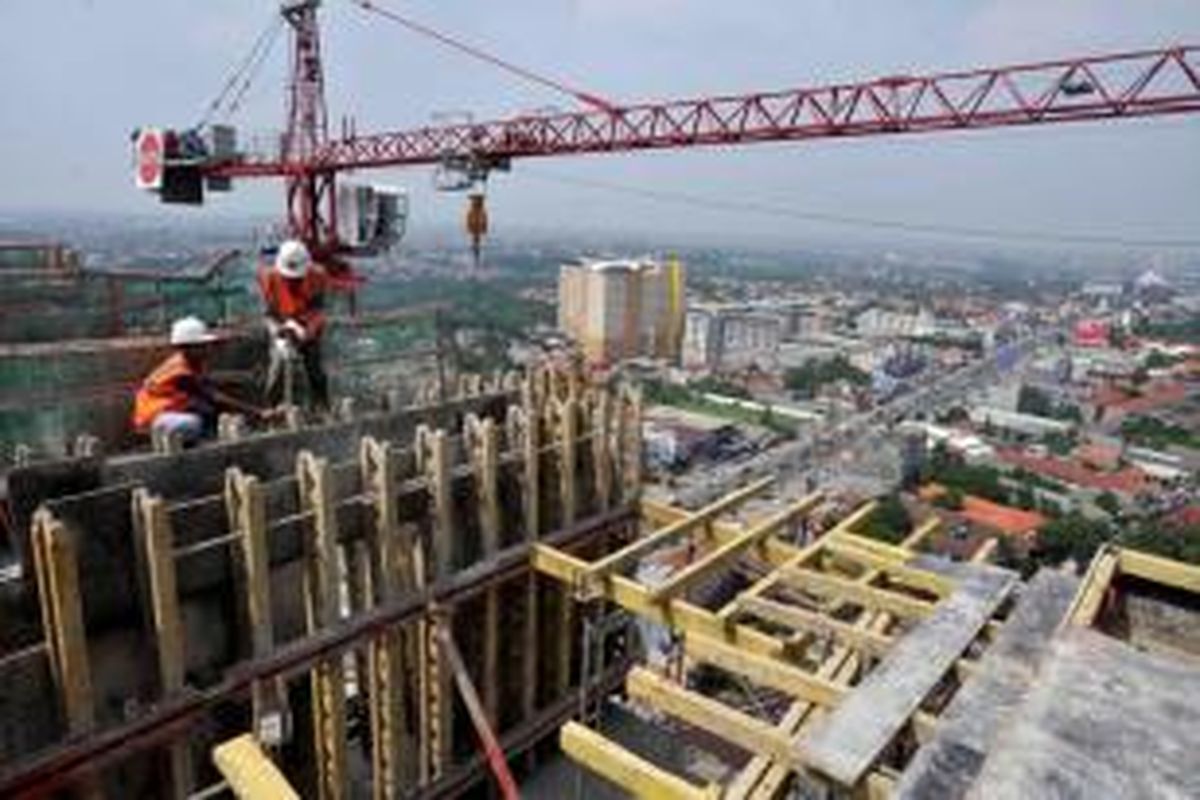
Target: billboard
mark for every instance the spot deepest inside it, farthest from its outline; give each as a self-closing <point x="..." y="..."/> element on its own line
<point x="1091" y="333"/>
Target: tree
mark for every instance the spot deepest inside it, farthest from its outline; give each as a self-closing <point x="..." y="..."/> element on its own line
<point x="1032" y="400"/>
<point x="889" y="521"/>
<point x="1181" y="543"/>
<point x="1109" y="503"/>
<point x="1071" y="537"/>
<point x="951" y="499"/>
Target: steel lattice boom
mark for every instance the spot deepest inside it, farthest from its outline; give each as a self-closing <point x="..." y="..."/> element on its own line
<point x="1126" y="85"/>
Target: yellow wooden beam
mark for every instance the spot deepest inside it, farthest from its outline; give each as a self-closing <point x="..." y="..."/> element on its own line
<point x="791" y="556"/>
<point x="1090" y="597"/>
<point x="924" y="580"/>
<point x="251" y="775"/>
<point x="762" y="670"/>
<point x="740" y="729"/>
<point x="892" y="553"/>
<point x="598" y="571"/>
<point x="857" y="593"/>
<point x="796" y="618"/>
<point x="1171" y="573"/>
<point x="725" y="552"/>
<point x="678" y="614"/>
<point x="762" y="778"/>
<point x="626" y="770"/>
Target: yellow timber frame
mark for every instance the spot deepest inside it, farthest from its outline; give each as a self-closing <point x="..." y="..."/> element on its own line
<point x="1111" y="562"/>
<point x="766" y="635"/>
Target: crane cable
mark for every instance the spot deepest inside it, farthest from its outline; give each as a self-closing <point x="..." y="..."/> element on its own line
<point x="244" y="72"/>
<point x="779" y="211"/>
<point x="587" y="98"/>
<point x="252" y="73"/>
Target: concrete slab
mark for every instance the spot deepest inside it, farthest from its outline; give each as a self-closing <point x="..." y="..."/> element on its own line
<point x="1104" y="720"/>
<point x="947" y="766"/>
<point x="845" y="744"/>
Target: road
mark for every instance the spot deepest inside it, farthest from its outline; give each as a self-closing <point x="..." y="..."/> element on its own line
<point x="816" y="450"/>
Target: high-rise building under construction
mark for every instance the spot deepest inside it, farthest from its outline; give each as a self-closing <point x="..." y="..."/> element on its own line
<point x="623" y="309"/>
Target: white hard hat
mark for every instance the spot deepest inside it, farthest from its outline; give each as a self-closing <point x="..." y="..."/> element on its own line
<point x="191" y="330"/>
<point x="292" y="260"/>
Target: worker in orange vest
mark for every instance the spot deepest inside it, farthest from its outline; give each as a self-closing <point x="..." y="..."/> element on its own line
<point x="293" y="291"/>
<point x="179" y="397"/>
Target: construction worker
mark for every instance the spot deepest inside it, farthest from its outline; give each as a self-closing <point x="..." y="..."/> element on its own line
<point x="293" y="291"/>
<point x="178" y="397"/>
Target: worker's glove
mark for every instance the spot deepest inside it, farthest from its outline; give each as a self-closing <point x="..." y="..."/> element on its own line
<point x="295" y="329"/>
<point x="283" y="345"/>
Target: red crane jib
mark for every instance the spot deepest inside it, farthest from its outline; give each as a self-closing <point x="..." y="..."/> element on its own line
<point x="1125" y="85"/>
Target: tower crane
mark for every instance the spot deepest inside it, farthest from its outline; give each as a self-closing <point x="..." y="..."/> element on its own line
<point x="181" y="166"/>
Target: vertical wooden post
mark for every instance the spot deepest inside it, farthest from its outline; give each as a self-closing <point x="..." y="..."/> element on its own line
<point x="483" y="445"/>
<point x="153" y="523"/>
<point x="321" y="607"/>
<point x="57" y="568"/>
<point x="524" y="429"/>
<point x="601" y="449"/>
<point x="246" y="507"/>
<point x="433" y="453"/>
<point x="631" y="444"/>
<point x="568" y="434"/>
<point x="393" y="752"/>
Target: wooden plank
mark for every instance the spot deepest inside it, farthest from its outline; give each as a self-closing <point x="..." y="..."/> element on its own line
<point x="62" y="618"/>
<point x="57" y="568"/>
<point x="246" y="507"/>
<point x="315" y="481"/>
<point x="923" y="580"/>
<point x="852" y="592"/>
<point x="483" y="446"/>
<point x="678" y="614"/>
<point x="602" y="451"/>
<point x="796" y="557"/>
<point x="724" y="553"/>
<point x="847" y="743"/>
<point x="763" y="779"/>
<point x="630" y="772"/>
<point x="1165" y="571"/>
<point x="737" y="728"/>
<point x="864" y="641"/>
<point x="598" y="571"/>
<point x="568" y="465"/>
<point x="157" y="542"/>
<point x="433" y="459"/>
<point x="762" y="670"/>
<point x="394" y="751"/>
<point x="1094" y="588"/>
<point x="250" y="773"/>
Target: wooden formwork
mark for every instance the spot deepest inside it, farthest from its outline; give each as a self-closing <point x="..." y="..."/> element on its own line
<point x="297" y="605"/>
<point x="860" y="636"/>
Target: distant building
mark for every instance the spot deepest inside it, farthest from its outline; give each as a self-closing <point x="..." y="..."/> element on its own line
<point x="880" y="323"/>
<point x="1018" y="423"/>
<point x="729" y="337"/>
<point x="617" y="310"/>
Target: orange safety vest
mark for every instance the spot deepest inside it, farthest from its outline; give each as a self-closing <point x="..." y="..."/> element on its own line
<point x="295" y="299"/>
<point x="161" y="391"/>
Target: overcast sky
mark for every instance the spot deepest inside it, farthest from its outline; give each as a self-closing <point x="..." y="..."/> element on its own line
<point x="78" y="75"/>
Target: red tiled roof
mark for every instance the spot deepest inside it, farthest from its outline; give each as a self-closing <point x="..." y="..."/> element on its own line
<point x="1127" y="481"/>
<point x="981" y="511"/>
<point x="1154" y="395"/>
<point x="1186" y="517"/>
<point x="1006" y="519"/>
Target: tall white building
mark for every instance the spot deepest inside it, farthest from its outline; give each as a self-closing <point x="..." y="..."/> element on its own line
<point x="622" y="309"/>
